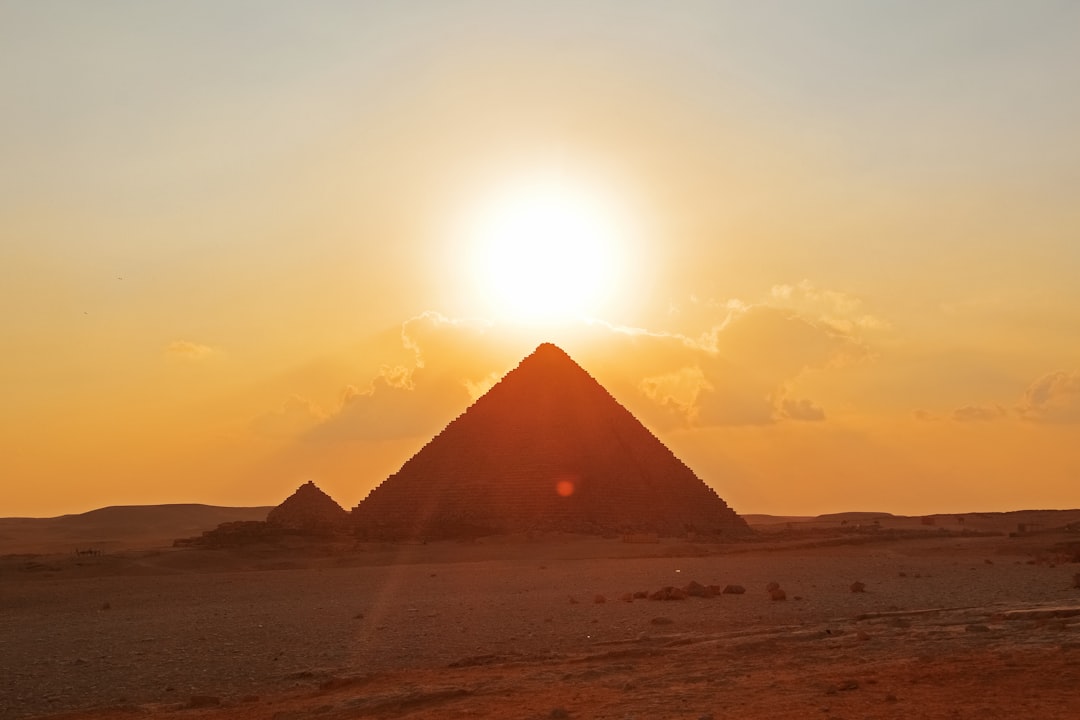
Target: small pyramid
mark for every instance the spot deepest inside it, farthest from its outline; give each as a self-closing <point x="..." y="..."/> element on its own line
<point x="309" y="509"/>
<point x="547" y="448"/>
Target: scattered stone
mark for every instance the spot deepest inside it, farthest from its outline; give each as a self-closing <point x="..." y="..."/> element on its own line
<point x="733" y="590"/>
<point x="777" y="594"/>
<point x="106" y="606"/>
<point x="976" y="628"/>
<point x="573" y="600"/>
<point x="661" y="621"/>
<point x="202" y="701"/>
<point x="847" y="685"/>
<point x="862" y="635"/>
<point x="641" y="595"/>
<point x="627" y="598"/>
<point x="559" y="713"/>
<point x="797" y="597"/>
<point x="1076" y="580"/>
<point x="358" y="616"/>
<point x="694" y="589"/>
<point x="988" y="561"/>
<point x="772" y="586"/>
<point x="668" y="593"/>
<point x="599" y="599"/>
<point x="235" y="534"/>
<point x="857" y="587"/>
<point x="890" y="698"/>
<point x="712" y="590"/>
<point x="903" y="574"/>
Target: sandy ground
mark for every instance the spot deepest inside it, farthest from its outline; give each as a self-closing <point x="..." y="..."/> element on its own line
<point x="948" y="627"/>
<point x="117" y="528"/>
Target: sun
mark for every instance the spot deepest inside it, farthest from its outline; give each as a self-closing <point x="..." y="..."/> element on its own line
<point x="546" y="249"/>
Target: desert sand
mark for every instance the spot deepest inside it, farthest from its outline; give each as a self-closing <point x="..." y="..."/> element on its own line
<point x="116" y="528"/>
<point x="950" y="625"/>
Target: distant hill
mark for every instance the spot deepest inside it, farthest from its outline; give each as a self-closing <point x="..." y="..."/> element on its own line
<point x="999" y="522"/>
<point x="856" y="516"/>
<point x="118" y="527"/>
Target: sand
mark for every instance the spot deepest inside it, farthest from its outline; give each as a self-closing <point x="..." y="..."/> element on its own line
<point x="977" y="626"/>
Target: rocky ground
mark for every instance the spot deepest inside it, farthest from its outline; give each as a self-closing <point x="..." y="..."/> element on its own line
<point x="948" y="627"/>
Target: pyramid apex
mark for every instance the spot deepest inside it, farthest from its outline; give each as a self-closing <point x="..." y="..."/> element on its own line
<point x="548" y="348"/>
<point x="550" y="353"/>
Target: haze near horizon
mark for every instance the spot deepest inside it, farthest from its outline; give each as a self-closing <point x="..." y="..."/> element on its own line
<point x="825" y="251"/>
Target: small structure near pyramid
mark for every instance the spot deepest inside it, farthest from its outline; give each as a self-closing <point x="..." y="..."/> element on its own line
<point x="547" y="448"/>
<point x="309" y="510"/>
<point x="307" y="513"/>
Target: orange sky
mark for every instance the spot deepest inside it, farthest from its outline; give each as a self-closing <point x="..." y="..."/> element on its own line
<point x="239" y="243"/>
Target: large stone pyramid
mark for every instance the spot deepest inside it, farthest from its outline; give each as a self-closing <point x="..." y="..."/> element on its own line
<point x="547" y="448"/>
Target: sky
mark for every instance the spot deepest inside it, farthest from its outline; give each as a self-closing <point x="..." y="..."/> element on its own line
<point x="826" y="251"/>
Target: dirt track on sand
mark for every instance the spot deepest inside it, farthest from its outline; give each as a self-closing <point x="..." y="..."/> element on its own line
<point x="949" y="628"/>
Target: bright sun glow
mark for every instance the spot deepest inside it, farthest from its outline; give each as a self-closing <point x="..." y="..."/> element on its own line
<point x="546" y="251"/>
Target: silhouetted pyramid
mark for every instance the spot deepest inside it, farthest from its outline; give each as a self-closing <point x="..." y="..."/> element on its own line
<point x="309" y="508"/>
<point x="547" y="448"/>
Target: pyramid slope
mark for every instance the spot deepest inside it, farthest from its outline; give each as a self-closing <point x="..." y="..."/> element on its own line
<point x="546" y="426"/>
<point x="310" y="509"/>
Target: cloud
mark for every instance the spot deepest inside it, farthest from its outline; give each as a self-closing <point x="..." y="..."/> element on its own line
<point x="295" y="416"/>
<point x="741" y="370"/>
<point x="977" y="413"/>
<point x="457" y="342"/>
<point x="677" y="391"/>
<point x="783" y="342"/>
<point x="1053" y="398"/>
<point x="924" y="415"/>
<point x="839" y="309"/>
<point x="454" y="360"/>
<point x="477" y="388"/>
<point x="386" y="410"/>
<point x="187" y="350"/>
<point x="801" y="410"/>
<point x="758" y="354"/>
<point x="738" y="372"/>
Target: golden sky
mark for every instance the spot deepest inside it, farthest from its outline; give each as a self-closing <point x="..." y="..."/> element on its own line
<point x="827" y="251"/>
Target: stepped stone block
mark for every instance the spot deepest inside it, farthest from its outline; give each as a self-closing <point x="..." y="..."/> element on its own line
<point x="309" y="509"/>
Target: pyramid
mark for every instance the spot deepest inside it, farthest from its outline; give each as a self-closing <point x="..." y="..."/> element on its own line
<point x="547" y="448"/>
<point x="309" y="509"/>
